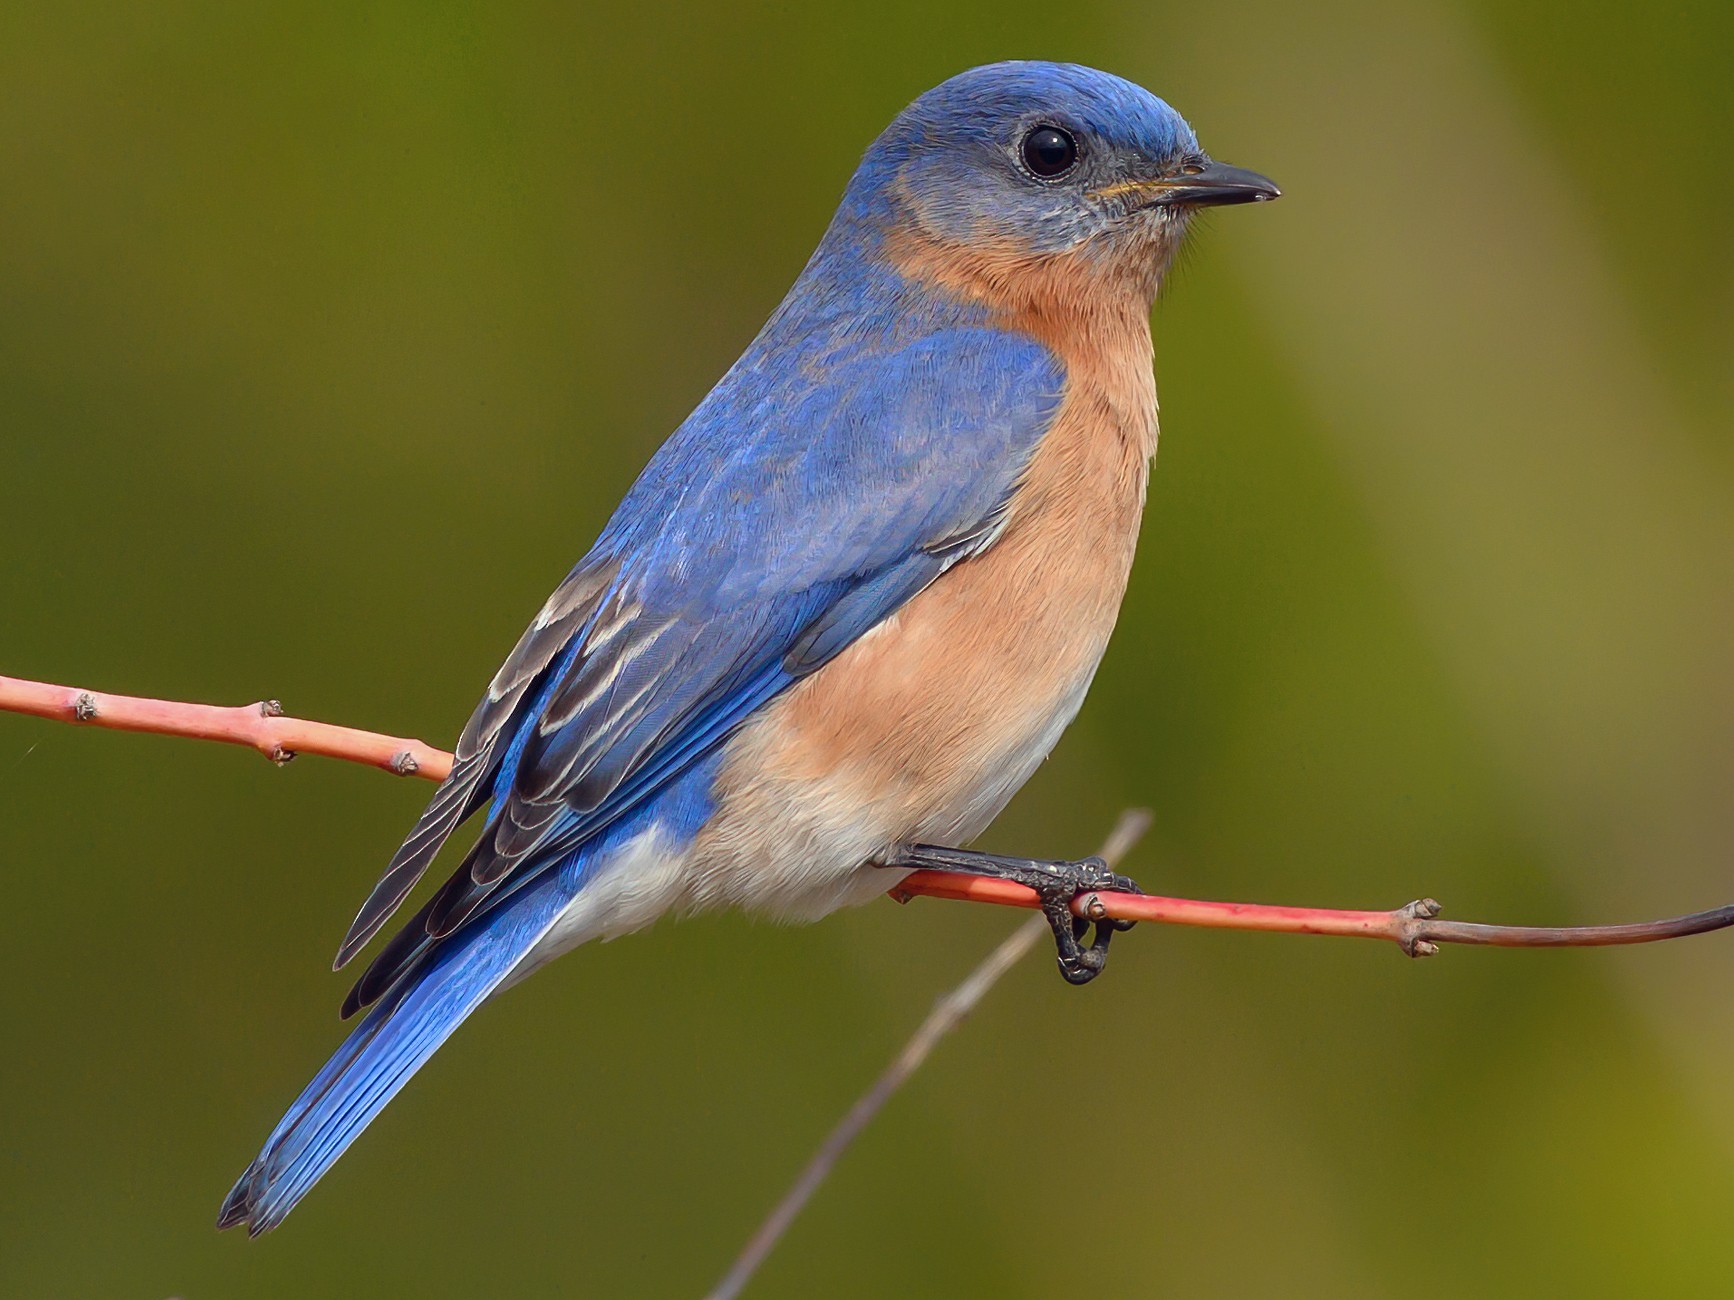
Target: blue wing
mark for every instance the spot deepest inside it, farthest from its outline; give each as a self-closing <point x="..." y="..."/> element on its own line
<point x="775" y="527"/>
<point x="778" y="524"/>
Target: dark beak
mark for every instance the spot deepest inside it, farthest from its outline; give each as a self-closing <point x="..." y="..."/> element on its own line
<point x="1205" y="184"/>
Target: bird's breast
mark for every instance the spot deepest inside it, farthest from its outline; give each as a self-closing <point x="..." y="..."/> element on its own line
<point x="922" y="730"/>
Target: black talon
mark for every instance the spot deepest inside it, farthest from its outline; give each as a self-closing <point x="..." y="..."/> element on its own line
<point x="1058" y="884"/>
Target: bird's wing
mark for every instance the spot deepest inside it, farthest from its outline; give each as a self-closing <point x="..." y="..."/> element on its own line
<point x="774" y="528"/>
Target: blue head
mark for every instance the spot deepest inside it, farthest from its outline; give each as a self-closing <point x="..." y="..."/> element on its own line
<point x="1044" y="161"/>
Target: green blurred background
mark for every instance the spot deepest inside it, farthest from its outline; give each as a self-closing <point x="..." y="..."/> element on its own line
<point x="329" y="334"/>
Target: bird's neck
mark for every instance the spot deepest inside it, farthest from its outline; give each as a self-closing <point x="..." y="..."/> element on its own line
<point x="1049" y="295"/>
<point x="1091" y="309"/>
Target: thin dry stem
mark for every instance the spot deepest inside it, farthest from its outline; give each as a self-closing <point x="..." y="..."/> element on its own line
<point x="949" y="1012"/>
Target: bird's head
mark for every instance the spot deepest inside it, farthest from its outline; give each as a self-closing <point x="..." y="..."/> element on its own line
<point x="1017" y="166"/>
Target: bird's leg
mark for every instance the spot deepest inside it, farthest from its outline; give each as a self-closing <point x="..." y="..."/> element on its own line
<point x="1057" y="884"/>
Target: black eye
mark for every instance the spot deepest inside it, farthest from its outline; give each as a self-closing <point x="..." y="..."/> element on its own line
<point x="1049" y="151"/>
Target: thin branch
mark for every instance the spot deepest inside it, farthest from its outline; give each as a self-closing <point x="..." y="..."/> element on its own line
<point x="949" y="1012"/>
<point x="260" y="726"/>
<point x="1415" y="927"/>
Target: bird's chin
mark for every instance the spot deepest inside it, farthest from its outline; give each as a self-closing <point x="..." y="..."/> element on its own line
<point x="1150" y="225"/>
<point x="1172" y="217"/>
<point x="1141" y="244"/>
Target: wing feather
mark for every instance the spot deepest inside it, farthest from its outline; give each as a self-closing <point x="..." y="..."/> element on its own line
<point x="477" y="757"/>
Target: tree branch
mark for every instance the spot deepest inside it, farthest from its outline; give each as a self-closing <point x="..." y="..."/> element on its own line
<point x="264" y="727"/>
<point x="1414" y="927"/>
<point x="260" y="726"/>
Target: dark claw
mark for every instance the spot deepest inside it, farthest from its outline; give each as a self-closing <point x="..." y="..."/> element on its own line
<point x="1058" y="883"/>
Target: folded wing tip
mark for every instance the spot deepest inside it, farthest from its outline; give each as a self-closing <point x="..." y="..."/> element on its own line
<point x="363" y="928"/>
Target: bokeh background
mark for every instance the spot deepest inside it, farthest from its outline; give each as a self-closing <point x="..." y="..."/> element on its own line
<point x="329" y="333"/>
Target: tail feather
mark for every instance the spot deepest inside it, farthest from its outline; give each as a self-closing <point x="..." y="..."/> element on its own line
<point x="387" y="1046"/>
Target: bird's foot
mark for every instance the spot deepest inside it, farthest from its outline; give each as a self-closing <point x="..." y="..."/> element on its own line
<point x="1058" y="884"/>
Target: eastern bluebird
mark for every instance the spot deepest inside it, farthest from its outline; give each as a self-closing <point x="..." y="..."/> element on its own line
<point x="847" y="608"/>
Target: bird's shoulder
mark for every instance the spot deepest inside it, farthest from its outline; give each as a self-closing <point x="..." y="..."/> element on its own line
<point x="829" y="456"/>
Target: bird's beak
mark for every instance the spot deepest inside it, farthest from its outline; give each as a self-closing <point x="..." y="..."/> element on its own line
<point x="1197" y="184"/>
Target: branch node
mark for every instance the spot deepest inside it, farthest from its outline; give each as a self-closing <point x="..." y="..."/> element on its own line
<point x="280" y="756"/>
<point x="1411" y="919"/>
<point x="84" y="707"/>
<point x="404" y="764"/>
<point x="270" y="708"/>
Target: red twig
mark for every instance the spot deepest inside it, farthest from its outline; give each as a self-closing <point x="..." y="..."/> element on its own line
<point x="1416" y="927"/>
<point x="260" y="726"/>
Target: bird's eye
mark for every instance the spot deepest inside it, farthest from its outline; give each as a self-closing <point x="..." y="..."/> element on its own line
<point x="1049" y="152"/>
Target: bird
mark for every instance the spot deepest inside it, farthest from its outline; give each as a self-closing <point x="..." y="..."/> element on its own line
<point x="847" y="608"/>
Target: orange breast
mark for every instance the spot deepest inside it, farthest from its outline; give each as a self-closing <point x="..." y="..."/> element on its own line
<point x="934" y="718"/>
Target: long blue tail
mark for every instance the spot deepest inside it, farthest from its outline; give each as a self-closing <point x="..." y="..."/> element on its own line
<point x="387" y="1046"/>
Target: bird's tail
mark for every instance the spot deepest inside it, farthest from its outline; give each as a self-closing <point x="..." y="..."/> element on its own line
<point x="387" y="1046"/>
